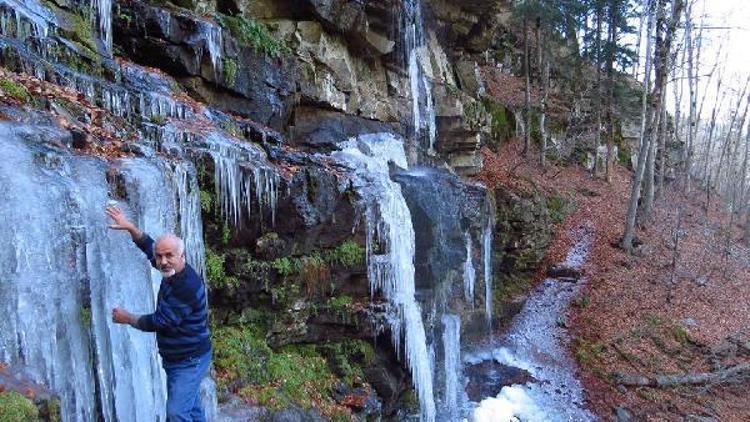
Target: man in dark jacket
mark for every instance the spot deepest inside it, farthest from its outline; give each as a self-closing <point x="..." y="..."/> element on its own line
<point x="180" y="320"/>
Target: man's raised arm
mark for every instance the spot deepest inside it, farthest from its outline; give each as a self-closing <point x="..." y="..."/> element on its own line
<point x="121" y="222"/>
<point x="141" y="239"/>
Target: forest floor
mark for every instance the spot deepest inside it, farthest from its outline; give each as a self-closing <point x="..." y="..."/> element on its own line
<point x="680" y="304"/>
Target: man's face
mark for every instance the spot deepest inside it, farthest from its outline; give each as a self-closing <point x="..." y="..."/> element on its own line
<point x="168" y="257"/>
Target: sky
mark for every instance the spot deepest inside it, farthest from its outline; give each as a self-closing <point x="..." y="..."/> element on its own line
<point x="730" y="42"/>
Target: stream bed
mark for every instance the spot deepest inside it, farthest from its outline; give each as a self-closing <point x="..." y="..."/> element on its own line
<point x="530" y="364"/>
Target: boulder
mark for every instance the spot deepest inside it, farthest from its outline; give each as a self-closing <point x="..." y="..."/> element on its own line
<point x="487" y="378"/>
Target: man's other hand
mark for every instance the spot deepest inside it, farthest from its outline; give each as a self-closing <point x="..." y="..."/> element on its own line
<point x="121" y="316"/>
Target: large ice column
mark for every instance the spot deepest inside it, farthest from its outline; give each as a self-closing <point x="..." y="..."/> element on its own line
<point x="489" y="226"/>
<point x="470" y="274"/>
<point x="452" y="351"/>
<point x="63" y="271"/>
<point x="417" y="60"/>
<point x="390" y="251"/>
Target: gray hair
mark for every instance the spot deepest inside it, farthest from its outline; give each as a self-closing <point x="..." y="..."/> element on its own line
<point x="174" y="238"/>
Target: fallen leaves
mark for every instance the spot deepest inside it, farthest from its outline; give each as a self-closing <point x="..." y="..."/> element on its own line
<point x="645" y="323"/>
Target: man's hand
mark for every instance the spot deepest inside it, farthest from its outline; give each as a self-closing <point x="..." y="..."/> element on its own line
<point x="121" y="316"/>
<point x="121" y="222"/>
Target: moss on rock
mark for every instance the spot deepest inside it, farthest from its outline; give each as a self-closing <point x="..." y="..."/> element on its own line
<point x="14" y="407"/>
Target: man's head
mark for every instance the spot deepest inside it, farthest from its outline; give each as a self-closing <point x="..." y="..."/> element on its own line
<point x="169" y="253"/>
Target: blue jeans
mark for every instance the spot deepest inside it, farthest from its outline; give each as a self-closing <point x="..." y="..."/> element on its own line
<point x="183" y="388"/>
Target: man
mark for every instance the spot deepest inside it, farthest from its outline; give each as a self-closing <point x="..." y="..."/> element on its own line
<point x="180" y="320"/>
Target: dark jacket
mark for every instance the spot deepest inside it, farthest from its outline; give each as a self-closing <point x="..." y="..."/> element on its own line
<point x="181" y="317"/>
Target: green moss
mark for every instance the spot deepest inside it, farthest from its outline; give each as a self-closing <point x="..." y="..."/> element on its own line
<point x="284" y="293"/>
<point x="589" y="353"/>
<point x="340" y="305"/>
<point x="294" y="375"/>
<point x="500" y="128"/>
<point x="230" y="70"/>
<point x="582" y="301"/>
<point x="528" y="258"/>
<point x="559" y="207"/>
<point x="512" y="285"/>
<point x="623" y="156"/>
<point x="303" y="376"/>
<point x="49" y="410"/>
<point x="207" y="201"/>
<point x="15" y="90"/>
<point x="475" y="114"/>
<point x="157" y="119"/>
<point x="654" y="320"/>
<point x="226" y="234"/>
<point x="125" y="16"/>
<point x="215" y="273"/>
<point x="254" y="34"/>
<point x="85" y="316"/>
<point x="410" y="401"/>
<point x="230" y="126"/>
<point x="348" y="254"/>
<point x="240" y="354"/>
<point x="14" y="407"/>
<point x="82" y="29"/>
<point x="265" y="395"/>
<point x="347" y="358"/>
<point x="680" y="335"/>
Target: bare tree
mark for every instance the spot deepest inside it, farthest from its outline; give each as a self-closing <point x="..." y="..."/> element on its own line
<point x="693" y="48"/>
<point x="641" y="20"/>
<point x="711" y="127"/>
<point x="599" y="94"/>
<point x="720" y="180"/>
<point x="544" y="63"/>
<point x="611" y="53"/>
<point x="665" y="30"/>
<point x="663" y="135"/>
<point x="527" y="90"/>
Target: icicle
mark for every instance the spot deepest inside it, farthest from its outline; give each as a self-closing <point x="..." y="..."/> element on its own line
<point x="241" y="179"/>
<point x="470" y="274"/>
<point x="487" y="258"/>
<point x="452" y="351"/>
<point x="211" y="34"/>
<point x="104" y="13"/>
<point x="187" y="204"/>
<point x="423" y="108"/>
<point x="30" y="18"/>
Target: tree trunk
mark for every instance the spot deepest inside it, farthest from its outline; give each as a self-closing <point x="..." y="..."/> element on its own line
<point x="665" y="33"/>
<point x="737" y="372"/>
<point x="739" y="174"/>
<point x="692" y="87"/>
<point x="707" y="168"/>
<point x="721" y="180"/>
<point x="599" y="94"/>
<point x="650" y="176"/>
<point x="527" y="91"/>
<point x="743" y="206"/>
<point x="664" y="156"/>
<point x="543" y="115"/>
<point x="612" y="43"/>
<point x="647" y="73"/>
